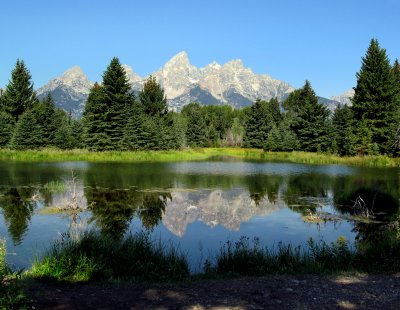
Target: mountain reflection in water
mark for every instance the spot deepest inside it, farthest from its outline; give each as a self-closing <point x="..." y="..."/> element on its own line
<point x="199" y="202"/>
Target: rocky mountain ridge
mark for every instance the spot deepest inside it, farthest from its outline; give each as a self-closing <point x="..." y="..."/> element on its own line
<point x="344" y="98"/>
<point x="69" y="91"/>
<point x="230" y="83"/>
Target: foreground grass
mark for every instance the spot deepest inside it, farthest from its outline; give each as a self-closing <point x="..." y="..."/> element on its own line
<point x="249" y="258"/>
<point x="194" y="154"/>
<point x="96" y="257"/>
<point x="12" y="295"/>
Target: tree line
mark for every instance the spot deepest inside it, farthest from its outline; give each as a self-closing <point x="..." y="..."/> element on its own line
<point x="116" y="118"/>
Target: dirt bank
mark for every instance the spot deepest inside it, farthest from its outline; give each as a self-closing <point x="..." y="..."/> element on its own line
<point x="273" y="292"/>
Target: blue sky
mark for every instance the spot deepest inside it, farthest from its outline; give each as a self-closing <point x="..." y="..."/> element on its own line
<point x="291" y="40"/>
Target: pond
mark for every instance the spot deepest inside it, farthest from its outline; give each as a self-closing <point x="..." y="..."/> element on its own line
<point x="197" y="206"/>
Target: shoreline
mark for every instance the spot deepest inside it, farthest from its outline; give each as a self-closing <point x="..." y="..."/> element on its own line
<point x="56" y="155"/>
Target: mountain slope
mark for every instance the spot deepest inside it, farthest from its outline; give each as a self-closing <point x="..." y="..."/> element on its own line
<point x="345" y="98"/>
<point x="230" y="83"/>
<point x="69" y="91"/>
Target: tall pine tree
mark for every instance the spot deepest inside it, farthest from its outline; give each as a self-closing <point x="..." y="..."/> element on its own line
<point x="310" y="121"/>
<point x="118" y="98"/>
<point x="6" y="128"/>
<point x="255" y="126"/>
<point x="157" y="124"/>
<point x="375" y="103"/>
<point x="27" y="133"/>
<point x="196" y="131"/>
<point x="19" y="95"/>
<point x="396" y="73"/>
<point x="152" y="98"/>
<point x="94" y="120"/>
<point x="45" y="112"/>
<point x="343" y="131"/>
<point x="134" y="134"/>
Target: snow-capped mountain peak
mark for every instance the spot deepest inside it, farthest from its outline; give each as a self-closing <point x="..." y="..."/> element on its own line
<point x="230" y="83"/>
<point x="345" y="98"/>
<point x="74" y="73"/>
<point x="69" y="91"/>
<point x="132" y="76"/>
<point x="181" y="58"/>
<point x="177" y="75"/>
<point x="74" y="78"/>
<point x="236" y="64"/>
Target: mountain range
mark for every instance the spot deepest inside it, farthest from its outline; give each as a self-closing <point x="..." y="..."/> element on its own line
<point x="230" y="83"/>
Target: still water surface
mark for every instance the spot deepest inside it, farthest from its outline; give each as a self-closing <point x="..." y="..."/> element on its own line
<point x="195" y="205"/>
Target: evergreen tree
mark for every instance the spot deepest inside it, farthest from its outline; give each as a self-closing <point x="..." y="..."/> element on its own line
<point x="218" y="119"/>
<point x="396" y="73"/>
<point x="62" y="137"/>
<point x="152" y="98"/>
<point x="166" y="139"/>
<point x="343" y="129"/>
<point x="94" y="121"/>
<point x="27" y="133"/>
<point x="45" y="114"/>
<point x="396" y="144"/>
<point x="289" y="140"/>
<point x="134" y="136"/>
<point x="19" y="95"/>
<point x="273" y="142"/>
<point x="291" y="103"/>
<point x="150" y="139"/>
<point x="68" y="134"/>
<point x="364" y="144"/>
<point x="375" y="103"/>
<point x="2" y="108"/>
<point x="274" y="114"/>
<point x="261" y="118"/>
<point x="178" y="131"/>
<point x="118" y="98"/>
<point x="256" y="127"/>
<point x="196" y="132"/>
<point x="76" y="129"/>
<point x="281" y="138"/>
<point x="310" y="120"/>
<point x="6" y="128"/>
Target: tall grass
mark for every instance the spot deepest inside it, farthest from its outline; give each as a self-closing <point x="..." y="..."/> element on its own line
<point x="137" y="257"/>
<point x="194" y="154"/>
<point x="97" y="257"/>
<point x="12" y="295"/>
<point x="250" y="258"/>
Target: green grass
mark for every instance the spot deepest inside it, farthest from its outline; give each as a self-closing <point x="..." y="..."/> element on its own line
<point x="194" y="154"/>
<point x="247" y="258"/>
<point x="55" y="186"/>
<point x="97" y="257"/>
<point x="12" y="296"/>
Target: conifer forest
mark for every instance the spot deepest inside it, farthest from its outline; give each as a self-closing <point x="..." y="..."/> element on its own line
<point x="116" y="118"/>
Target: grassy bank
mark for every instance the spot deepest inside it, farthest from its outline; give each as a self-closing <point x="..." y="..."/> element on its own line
<point x="249" y="258"/>
<point x="95" y="257"/>
<point x="194" y="154"/>
<point x="12" y="295"/>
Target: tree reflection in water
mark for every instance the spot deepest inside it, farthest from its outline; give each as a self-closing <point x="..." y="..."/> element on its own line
<point x="17" y="204"/>
<point x="113" y="209"/>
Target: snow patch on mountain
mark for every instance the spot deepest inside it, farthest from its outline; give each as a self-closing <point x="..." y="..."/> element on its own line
<point x="345" y="98"/>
